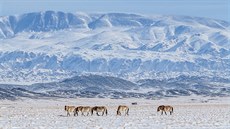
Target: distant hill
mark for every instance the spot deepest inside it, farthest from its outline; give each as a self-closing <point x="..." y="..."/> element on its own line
<point x="92" y="86"/>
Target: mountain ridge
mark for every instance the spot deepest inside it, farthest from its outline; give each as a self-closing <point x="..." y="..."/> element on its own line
<point x="57" y="20"/>
<point x="91" y="86"/>
<point x="49" y="46"/>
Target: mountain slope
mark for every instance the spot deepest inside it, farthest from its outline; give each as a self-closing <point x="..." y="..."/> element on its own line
<point x="112" y="87"/>
<point x="49" y="46"/>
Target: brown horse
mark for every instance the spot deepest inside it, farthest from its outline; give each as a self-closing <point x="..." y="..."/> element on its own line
<point x="122" y="108"/>
<point x="102" y="109"/>
<point x="82" y="109"/>
<point x="69" y="109"/>
<point x="163" y="108"/>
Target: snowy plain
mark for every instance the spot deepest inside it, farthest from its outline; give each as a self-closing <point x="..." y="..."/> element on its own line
<point x="189" y="113"/>
<point x="36" y="50"/>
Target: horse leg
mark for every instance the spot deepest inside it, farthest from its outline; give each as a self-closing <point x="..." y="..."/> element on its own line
<point x="161" y="112"/>
<point x="118" y="113"/>
<point x="75" y="112"/>
<point x="165" y="113"/>
<point x="103" y="113"/>
<point x="68" y="114"/>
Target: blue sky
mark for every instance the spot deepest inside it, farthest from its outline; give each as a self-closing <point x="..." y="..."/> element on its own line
<point x="217" y="9"/>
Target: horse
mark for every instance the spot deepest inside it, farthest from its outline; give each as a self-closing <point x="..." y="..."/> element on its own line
<point x="102" y="109"/>
<point x="163" y="108"/>
<point x="69" y="109"/>
<point x="122" y="108"/>
<point x="82" y="109"/>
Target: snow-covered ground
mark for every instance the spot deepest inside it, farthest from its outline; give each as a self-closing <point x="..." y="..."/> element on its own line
<point x="189" y="112"/>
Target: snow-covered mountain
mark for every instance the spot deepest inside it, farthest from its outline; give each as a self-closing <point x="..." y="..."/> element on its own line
<point x="49" y="46"/>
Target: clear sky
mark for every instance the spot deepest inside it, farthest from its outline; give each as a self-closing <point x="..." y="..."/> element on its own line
<point x="217" y="9"/>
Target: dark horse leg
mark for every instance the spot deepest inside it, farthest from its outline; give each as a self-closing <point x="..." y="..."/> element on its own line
<point x="165" y="113"/>
<point x="74" y="113"/>
<point x="118" y="113"/>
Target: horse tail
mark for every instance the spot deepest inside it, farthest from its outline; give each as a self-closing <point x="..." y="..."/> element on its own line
<point x="106" y="111"/>
<point x="172" y="109"/>
<point x="91" y="111"/>
<point x="117" y="110"/>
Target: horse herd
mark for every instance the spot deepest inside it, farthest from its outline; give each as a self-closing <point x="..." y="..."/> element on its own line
<point x="90" y="110"/>
<point x="86" y="110"/>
